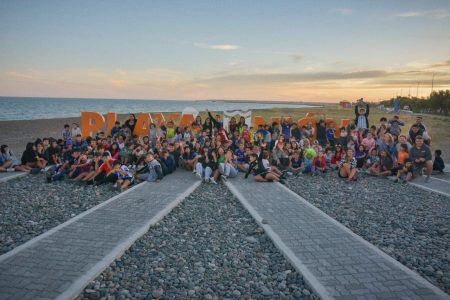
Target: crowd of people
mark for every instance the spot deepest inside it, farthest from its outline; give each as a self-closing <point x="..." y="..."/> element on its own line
<point x="269" y="152"/>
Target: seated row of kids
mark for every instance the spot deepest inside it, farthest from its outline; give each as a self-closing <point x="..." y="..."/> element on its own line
<point x="269" y="152"/>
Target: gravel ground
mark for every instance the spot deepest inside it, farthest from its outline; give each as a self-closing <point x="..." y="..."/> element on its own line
<point x="408" y="223"/>
<point x="209" y="247"/>
<point x="30" y="207"/>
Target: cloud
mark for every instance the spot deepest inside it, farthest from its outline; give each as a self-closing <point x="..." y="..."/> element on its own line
<point x="440" y="64"/>
<point x="344" y="11"/>
<point x="434" y="14"/>
<point x="408" y="14"/>
<point x="296" y="77"/>
<point x="225" y="47"/>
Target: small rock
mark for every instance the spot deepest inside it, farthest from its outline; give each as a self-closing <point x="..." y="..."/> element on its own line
<point x="251" y="239"/>
<point x="158" y="293"/>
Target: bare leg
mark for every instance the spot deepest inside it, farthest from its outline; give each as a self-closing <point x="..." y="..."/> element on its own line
<point x="126" y="184"/>
<point x="216" y="175"/>
<point x="272" y="177"/>
<point x="81" y="176"/>
<point x="429" y="167"/>
<point x="7" y="164"/>
<point x="275" y="170"/>
<point x="259" y="178"/>
<point x="21" y="168"/>
<point x="343" y="172"/>
<point x="353" y="173"/>
<point x="385" y="173"/>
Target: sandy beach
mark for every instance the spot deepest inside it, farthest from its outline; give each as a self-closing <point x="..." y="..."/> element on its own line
<point x="16" y="133"/>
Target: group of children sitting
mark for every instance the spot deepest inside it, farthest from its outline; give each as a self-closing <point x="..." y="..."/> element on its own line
<point x="213" y="153"/>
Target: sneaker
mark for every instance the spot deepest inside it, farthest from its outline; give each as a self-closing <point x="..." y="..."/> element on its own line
<point x="404" y="181"/>
<point x="290" y="173"/>
<point x="211" y="180"/>
<point x="427" y="179"/>
<point x="224" y="178"/>
<point x="282" y="181"/>
<point x="10" y="170"/>
<point x="207" y="180"/>
<point x="396" y="180"/>
<point x="49" y="178"/>
<point x="199" y="176"/>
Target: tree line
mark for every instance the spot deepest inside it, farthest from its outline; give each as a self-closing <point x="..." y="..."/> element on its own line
<point x="437" y="103"/>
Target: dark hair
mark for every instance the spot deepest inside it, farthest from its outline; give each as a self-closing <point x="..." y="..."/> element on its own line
<point x="29" y="146"/>
<point x="404" y="146"/>
<point x="116" y="163"/>
<point x="383" y="119"/>
<point x="437" y="153"/>
<point x="3" y="147"/>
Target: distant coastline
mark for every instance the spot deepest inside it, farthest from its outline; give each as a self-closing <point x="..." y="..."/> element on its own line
<point x="35" y="108"/>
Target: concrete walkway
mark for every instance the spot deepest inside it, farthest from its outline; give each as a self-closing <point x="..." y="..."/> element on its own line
<point x="60" y="262"/>
<point x="334" y="261"/>
<point x="436" y="185"/>
<point x="5" y="176"/>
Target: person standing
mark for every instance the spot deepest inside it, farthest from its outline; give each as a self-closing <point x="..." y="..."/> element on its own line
<point x="362" y="115"/>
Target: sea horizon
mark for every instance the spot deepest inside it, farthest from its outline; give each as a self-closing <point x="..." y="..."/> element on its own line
<point x="34" y="108"/>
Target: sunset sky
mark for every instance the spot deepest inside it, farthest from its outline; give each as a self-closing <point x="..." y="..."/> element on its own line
<point x="253" y="50"/>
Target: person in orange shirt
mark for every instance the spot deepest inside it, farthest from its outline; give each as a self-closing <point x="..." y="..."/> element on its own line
<point x="402" y="155"/>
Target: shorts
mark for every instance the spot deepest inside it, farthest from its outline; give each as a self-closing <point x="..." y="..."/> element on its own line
<point x="263" y="175"/>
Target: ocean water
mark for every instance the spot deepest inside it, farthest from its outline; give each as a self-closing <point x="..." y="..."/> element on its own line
<point x="15" y="108"/>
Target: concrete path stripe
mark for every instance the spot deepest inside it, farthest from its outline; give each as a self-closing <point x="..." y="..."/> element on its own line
<point x="436" y="178"/>
<point x="11" y="175"/>
<point x="423" y="186"/>
<point x="78" y="286"/>
<point x="399" y="265"/>
<point x="65" y="224"/>
<point x="324" y="250"/>
<point x="311" y="280"/>
<point x="436" y="185"/>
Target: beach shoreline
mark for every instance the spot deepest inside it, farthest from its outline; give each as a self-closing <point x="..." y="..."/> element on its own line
<point x="16" y="133"/>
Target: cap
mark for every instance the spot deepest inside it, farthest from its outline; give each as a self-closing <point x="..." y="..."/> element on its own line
<point x="69" y="142"/>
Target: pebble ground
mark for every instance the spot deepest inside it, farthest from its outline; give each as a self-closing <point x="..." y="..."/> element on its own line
<point x="408" y="223"/>
<point x="209" y="247"/>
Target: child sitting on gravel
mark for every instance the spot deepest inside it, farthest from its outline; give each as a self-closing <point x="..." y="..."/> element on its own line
<point x="405" y="173"/>
<point x="124" y="177"/>
<point x="308" y="160"/>
<point x="384" y="166"/>
<point x="438" y="164"/>
<point x="6" y="155"/>
<point x="259" y="171"/>
<point x="372" y="159"/>
<point x="296" y="163"/>
<point x="319" y="163"/>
